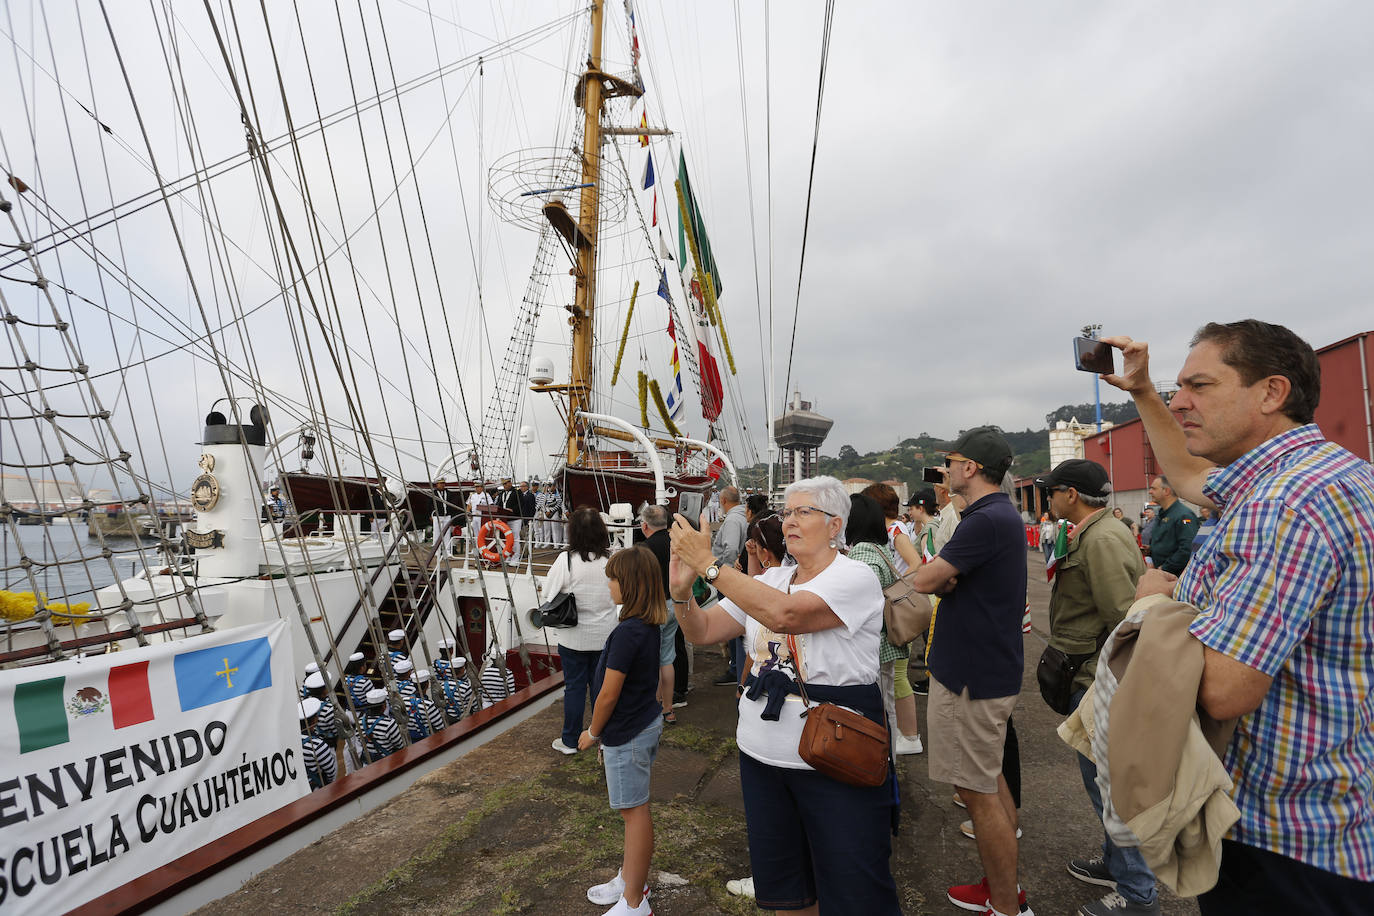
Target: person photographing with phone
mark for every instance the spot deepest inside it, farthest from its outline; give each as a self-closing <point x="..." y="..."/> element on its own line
<point x="812" y="837"/>
<point x="1284" y="593"/>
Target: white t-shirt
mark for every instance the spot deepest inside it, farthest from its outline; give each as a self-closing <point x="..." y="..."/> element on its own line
<point x="839" y="657"/>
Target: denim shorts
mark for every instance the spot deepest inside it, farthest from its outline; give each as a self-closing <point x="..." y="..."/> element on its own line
<point x="667" y="646"/>
<point x="628" y="766"/>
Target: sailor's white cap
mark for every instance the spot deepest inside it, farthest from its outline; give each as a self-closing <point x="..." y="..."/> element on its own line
<point x="309" y="707"/>
<point x="422" y="675"/>
<point x="376" y="695"/>
<point x="312" y="667"/>
<point x="315" y="681"/>
<point x="404" y="666"/>
<point x="447" y="643"/>
<point x="396" y="636"/>
<point x="458" y="661"/>
<point x="355" y="657"/>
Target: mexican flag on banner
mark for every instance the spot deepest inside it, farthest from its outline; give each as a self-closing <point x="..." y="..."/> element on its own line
<point x="1061" y="549"/>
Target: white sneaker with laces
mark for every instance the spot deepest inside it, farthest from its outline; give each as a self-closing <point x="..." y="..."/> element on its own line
<point x="562" y="748"/>
<point x="904" y="745"/>
<point x="611" y="891"/>
<point x="743" y="887"/>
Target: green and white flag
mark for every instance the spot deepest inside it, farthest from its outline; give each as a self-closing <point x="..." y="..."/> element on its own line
<point x="1061" y="549"/>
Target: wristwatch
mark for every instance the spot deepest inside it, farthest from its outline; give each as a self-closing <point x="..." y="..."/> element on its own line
<point x="712" y="571"/>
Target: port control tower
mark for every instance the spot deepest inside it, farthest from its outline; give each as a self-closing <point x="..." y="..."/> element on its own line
<point x="799" y="432"/>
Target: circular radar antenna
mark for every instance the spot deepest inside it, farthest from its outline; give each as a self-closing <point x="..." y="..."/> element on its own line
<point x="520" y="184"/>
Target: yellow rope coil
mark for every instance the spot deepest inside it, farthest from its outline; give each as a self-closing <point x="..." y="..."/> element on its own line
<point x="22" y="606"/>
<point x="663" y="409"/>
<point x="625" y="335"/>
<point x="643" y="399"/>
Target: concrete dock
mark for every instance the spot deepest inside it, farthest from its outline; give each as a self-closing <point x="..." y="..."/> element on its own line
<point x="514" y="827"/>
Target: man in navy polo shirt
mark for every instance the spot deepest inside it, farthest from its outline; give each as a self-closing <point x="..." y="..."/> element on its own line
<point x="976" y="658"/>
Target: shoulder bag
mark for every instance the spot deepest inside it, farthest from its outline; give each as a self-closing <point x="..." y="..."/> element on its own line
<point x="560" y="610"/>
<point x="906" y="612"/>
<point x="1056" y="673"/>
<point x="839" y="742"/>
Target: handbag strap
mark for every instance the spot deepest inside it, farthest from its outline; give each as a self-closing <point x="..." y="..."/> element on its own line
<point x="890" y="564"/>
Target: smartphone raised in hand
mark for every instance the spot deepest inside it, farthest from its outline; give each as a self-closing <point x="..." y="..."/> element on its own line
<point x="933" y="475"/>
<point x="1092" y="355"/>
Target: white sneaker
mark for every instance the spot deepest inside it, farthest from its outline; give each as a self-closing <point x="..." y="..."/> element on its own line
<point x="966" y="828"/>
<point x="744" y="887"/>
<point x="611" y="891"/>
<point x="562" y="748"/>
<point x="905" y="745"/>
<point x="623" y="908"/>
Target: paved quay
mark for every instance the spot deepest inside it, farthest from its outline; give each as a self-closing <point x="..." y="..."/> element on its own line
<point x="514" y="827"/>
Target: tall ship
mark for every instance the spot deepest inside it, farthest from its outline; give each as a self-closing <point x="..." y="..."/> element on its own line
<point x="246" y="271"/>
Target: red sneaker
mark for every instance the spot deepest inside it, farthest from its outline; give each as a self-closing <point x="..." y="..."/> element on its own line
<point x="975" y="897"/>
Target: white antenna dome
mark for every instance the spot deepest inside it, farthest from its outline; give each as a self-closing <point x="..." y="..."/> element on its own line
<point x="541" y="370"/>
<point x="526" y="435"/>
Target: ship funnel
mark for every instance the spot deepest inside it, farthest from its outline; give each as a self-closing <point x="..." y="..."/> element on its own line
<point x="228" y="530"/>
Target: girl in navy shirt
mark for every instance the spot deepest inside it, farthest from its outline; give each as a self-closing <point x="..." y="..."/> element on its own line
<point x="627" y="720"/>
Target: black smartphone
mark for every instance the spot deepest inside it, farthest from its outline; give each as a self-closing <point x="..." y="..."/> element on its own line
<point x="1094" y="356"/>
<point x="933" y="475"/>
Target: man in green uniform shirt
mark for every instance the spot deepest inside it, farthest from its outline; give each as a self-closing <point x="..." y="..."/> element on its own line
<point x="1172" y="540"/>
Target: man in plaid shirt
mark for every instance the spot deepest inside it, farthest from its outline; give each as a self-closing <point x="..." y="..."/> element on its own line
<point x="1285" y="594"/>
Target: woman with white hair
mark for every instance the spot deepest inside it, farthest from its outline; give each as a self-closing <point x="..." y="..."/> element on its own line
<point x="811" y="837"/>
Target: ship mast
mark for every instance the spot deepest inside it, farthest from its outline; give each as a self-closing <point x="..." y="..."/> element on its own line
<point x="588" y="215"/>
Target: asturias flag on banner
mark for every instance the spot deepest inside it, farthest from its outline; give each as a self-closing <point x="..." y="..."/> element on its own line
<point x="41" y="707"/>
<point x="207" y="676"/>
<point x="1061" y="550"/>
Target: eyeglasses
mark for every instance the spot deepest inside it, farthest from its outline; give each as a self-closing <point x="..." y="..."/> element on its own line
<point x="950" y="459"/>
<point x="804" y="512"/>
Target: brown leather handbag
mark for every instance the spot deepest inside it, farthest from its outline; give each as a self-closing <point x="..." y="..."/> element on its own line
<point x="839" y="742"/>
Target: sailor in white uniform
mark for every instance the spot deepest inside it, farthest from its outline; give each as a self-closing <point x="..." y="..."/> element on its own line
<point x="318" y="757"/>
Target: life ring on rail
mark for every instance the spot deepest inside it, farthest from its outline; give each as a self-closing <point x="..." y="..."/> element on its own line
<point x="497" y="540"/>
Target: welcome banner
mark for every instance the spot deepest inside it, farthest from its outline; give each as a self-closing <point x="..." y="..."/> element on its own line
<point x="113" y="765"/>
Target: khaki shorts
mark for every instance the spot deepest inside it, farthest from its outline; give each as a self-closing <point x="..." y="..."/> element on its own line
<point x="966" y="737"/>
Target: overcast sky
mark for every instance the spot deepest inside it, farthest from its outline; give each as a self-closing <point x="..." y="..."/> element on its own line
<point x="990" y="177"/>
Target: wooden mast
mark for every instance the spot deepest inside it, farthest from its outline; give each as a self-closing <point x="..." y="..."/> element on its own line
<point x="588" y="217"/>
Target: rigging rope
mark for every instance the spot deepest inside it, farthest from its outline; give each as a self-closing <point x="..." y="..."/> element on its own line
<point x="810" y="182"/>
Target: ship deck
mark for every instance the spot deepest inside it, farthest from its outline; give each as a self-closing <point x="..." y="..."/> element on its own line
<point x="513" y="827"/>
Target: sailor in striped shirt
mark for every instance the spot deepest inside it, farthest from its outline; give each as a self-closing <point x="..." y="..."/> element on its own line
<point x="326" y="721"/>
<point x="380" y="733"/>
<point x="492" y="686"/>
<point x="1285" y="592"/>
<point x="404" y="685"/>
<point x="422" y="716"/>
<point x="318" y="757"/>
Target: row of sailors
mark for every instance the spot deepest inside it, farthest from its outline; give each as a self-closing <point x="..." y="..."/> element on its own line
<point x="427" y="704"/>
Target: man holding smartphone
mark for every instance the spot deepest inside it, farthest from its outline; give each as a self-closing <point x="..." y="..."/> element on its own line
<point x="1284" y="589"/>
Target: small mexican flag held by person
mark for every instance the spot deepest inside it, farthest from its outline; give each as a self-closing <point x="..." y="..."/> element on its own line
<point x="1061" y="549"/>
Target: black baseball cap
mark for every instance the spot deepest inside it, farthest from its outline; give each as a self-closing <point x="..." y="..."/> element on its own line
<point x="925" y="498"/>
<point x="1087" y="477"/>
<point x="987" y="446"/>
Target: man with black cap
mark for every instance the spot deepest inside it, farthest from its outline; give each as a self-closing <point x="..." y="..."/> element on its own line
<point x="1094" y="588"/>
<point x="276" y="505"/>
<point x="976" y="659"/>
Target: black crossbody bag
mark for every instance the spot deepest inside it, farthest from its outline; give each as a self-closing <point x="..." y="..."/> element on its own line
<point x="1055" y="673"/>
<point x="560" y="610"/>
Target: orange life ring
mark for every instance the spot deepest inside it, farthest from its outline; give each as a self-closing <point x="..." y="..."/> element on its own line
<point x="497" y="540"/>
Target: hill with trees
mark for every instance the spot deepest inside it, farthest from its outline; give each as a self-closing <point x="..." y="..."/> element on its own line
<point x="905" y="460"/>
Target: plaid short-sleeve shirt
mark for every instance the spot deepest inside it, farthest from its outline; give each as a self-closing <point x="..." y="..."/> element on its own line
<point x="1285" y="585"/>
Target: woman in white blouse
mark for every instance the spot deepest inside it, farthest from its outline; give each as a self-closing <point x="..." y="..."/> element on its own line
<point x="581" y="569"/>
